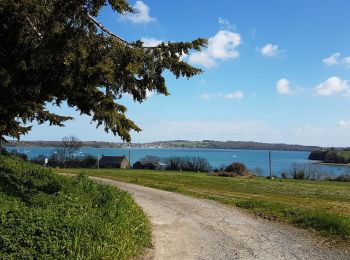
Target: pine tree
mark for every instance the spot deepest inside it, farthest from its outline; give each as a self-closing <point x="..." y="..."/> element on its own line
<point x="53" y="51"/>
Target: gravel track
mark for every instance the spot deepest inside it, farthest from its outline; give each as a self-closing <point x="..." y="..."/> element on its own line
<point x="190" y="228"/>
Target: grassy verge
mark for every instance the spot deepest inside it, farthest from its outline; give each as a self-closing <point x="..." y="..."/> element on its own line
<point x="45" y="216"/>
<point x="321" y="205"/>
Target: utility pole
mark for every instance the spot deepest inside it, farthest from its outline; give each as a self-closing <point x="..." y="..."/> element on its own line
<point x="98" y="159"/>
<point x="270" y="165"/>
<point x="129" y="159"/>
<point x="197" y="164"/>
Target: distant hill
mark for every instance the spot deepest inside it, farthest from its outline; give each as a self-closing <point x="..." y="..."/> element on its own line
<point x="95" y="144"/>
<point x="209" y="144"/>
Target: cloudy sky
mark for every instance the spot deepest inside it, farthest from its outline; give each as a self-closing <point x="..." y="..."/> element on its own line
<point x="275" y="71"/>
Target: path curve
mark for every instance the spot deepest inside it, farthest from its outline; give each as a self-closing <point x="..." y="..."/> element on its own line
<point x="189" y="228"/>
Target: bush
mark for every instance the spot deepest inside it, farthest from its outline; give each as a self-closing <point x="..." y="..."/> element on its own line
<point x="40" y="159"/>
<point x="345" y="177"/>
<point x="192" y="164"/>
<point x="88" y="161"/>
<point x="284" y="175"/>
<point x="16" y="154"/>
<point x="308" y="171"/>
<point x="234" y="170"/>
<point x="257" y="171"/>
<point x="3" y="151"/>
<point x="46" y="216"/>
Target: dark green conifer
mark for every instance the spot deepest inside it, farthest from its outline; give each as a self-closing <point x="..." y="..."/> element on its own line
<point x="56" y="50"/>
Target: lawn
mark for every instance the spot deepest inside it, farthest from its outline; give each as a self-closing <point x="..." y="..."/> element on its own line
<point x="46" y="216"/>
<point x="320" y="205"/>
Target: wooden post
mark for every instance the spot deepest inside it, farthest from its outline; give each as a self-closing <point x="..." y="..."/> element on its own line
<point x="129" y="159"/>
<point x="98" y="159"/>
<point x="198" y="164"/>
<point x="270" y="165"/>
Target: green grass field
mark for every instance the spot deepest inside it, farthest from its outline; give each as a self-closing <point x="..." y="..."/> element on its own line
<point x="46" y="216"/>
<point x="320" y="205"/>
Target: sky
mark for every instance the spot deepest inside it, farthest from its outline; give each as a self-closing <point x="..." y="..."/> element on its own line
<point x="274" y="71"/>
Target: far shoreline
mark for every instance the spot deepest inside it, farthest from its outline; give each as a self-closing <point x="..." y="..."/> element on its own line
<point x="176" y="144"/>
<point x="333" y="164"/>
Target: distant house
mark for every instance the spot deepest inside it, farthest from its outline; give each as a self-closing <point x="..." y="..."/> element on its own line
<point x="149" y="165"/>
<point x="114" y="162"/>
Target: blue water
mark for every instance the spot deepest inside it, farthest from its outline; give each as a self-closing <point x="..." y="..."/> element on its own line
<point x="281" y="160"/>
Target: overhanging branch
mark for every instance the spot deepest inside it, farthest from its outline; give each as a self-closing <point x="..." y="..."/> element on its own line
<point x="34" y="27"/>
<point x="104" y="29"/>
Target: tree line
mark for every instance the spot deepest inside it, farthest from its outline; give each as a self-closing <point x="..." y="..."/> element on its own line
<point x="331" y="155"/>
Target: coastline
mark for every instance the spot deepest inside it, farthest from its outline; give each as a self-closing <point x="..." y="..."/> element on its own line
<point x="333" y="164"/>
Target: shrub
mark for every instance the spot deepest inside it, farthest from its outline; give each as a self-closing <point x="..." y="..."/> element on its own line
<point x="16" y="153"/>
<point x="308" y="171"/>
<point x="193" y="164"/>
<point x="257" y="171"/>
<point x="88" y="161"/>
<point x="284" y="175"/>
<point x="40" y="159"/>
<point x="234" y="170"/>
<point x="3" y="151"/>
<point x="345" y="177"/>
<point x="46" y="216"/>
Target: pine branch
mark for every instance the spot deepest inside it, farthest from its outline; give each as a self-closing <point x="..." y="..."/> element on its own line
<point x="34" y="27"/>
<point x="104" y="29"/>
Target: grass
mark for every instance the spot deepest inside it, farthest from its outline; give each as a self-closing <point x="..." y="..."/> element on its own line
<point x="320" y="205"/>
<point x="46" y="216"/>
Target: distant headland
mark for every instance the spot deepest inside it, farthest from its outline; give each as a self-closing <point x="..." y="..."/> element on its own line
<point x="205" y="144"/>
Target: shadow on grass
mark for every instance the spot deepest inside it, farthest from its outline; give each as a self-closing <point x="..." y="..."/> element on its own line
<point x="25" y="188"/>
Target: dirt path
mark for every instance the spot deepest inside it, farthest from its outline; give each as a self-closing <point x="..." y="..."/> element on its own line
<point x="190" y="228"/>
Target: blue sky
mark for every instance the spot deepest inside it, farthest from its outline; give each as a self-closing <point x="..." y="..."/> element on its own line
<point x="275" y="71"/>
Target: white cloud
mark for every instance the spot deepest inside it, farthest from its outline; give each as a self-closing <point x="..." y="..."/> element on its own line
<point x="270" y="50"/>
<point x="336" y="59"/>
<point x="333" y="85"/>
<point x="344" y="123"/>
<point x="332" y="60"/>
<point x="205" y="96"/>
<point x="202" y="58"/>
<point x="346" y="60"/>
<point x="220" y="47"/>
<point x="141" y="14"/>
<point x="232" y="95"/>
<point x="150" y="42"/>
<point x="283" y="87"/>
<point x="225" y="24"/>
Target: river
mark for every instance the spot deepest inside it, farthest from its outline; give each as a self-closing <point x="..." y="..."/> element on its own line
<point x="281" y="160"/>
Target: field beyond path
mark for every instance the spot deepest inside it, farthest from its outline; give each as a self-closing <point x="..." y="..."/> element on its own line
<point x="191" y="228"/>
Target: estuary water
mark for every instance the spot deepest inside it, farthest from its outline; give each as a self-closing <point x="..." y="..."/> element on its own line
<point x="281" y="160"/>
